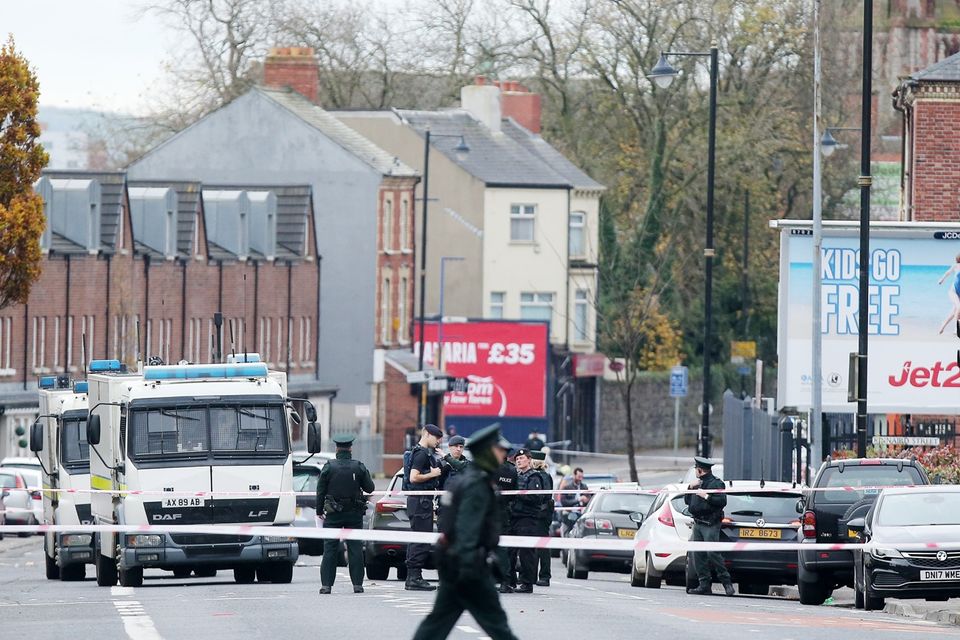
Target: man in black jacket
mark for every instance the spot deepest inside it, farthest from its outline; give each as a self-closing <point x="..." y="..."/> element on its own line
<point x="707" y="511"/>
<point x="524" y="514"/>
<point x="506" y="480"/>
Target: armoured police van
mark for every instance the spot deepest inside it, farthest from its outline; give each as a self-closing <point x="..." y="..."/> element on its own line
<point x="59" y="439"/>
<point x="188" y="430"/>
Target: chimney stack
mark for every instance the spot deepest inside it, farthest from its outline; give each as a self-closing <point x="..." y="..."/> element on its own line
<point x="295" y="68"/>
<point x="519" y="103"/>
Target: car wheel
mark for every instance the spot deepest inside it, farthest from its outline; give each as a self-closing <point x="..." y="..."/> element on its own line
<point x="563" y="556"/>
<point x="750" y="589"/>
<point x="636" y="580"/>
<point x="690" y="575"/>
<point x="205" y="573"/>
<point x="870" y="601"/>
<point x="379" y="570"/>
<point x="281" y="573"/>
<point x="106" y="570"/>
<point x="649" y="580"/>
<point x="52" y="570"/>
<point x="857" y="597"/>
<point x="73" y="573"/>
<point x="182" y="572"/>
<point x="244" y="575"/>
<point x="811" y="588"/>
<point x="132" y="577"/>
<point x="574" y="571"/>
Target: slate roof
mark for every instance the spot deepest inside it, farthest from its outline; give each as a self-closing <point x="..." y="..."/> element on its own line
<point x="947" y="70"/>
<point x="188" y="202"/>
<point x="511" y="158"/>
<point x="383" y="162"/>
<point x="294" y="208"/>
<point x="112" y="188"/>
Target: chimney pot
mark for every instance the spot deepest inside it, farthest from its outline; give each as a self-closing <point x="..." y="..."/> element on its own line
<point x="295" y="68"/>
<point x="480" y="80"/>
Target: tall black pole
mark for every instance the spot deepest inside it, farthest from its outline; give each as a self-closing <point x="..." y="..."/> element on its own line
<point x="864" y="181"/>
<point x="423" y="272"/>
<point x="708" y="259"/>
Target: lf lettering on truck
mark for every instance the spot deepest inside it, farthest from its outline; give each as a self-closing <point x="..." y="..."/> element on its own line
<point x="59" y="439"/>
<point x="189" y="429"/>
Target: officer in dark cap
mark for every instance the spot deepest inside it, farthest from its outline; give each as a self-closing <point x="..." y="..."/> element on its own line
<point x="525" y="513"/>
<point x="707" y="511"/>
<point x="466" y="551"/>
<point x="423" y="475"/>
<point x="506" y="478"/>
<point x="539" y="462"/>
<point x="340" y="489"/>
<point x="454" y="462"/>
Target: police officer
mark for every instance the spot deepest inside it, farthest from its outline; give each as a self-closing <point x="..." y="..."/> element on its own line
<point x="506" y="481"/>
<point x="454" y="462"/>
<point x="707" y="511"/>
<point x="470" y="533"/>
<point x="525" y="514"/>
<point x="534" y="442"/>
<point x="424" y="475"/>
<point x="340" y="489"/>
<point x="539" y="463"/>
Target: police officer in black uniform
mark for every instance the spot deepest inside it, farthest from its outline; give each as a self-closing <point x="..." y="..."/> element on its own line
<point x="546" y="517"/>
<point x="453" y="463"/>
<point x="340" y="489"/>
<point x="506" y="481"/>
<point x="424" y="475"/>
<point x="707" y="511"/>
<point x="525" y="514"/>
<point x="466" y="550"/>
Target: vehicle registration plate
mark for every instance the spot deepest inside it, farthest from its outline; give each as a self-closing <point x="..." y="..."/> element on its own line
<point x="766" y="534"/>
<point x="626" y="533"/>
<point x="178" y="503"/>
<point x="940" y="574"/>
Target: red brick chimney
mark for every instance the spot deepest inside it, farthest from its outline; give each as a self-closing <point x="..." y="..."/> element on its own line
<point x="518" y="102"/>
<point x="293" y="67"/>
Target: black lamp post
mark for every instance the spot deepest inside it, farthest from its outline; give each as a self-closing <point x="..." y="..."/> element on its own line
<point x="864" y="181"/>
<point x="662" y="75"/>
<point x="461" y="149"/>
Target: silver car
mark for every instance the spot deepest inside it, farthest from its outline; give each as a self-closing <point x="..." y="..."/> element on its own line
<point x="18" y="504"/>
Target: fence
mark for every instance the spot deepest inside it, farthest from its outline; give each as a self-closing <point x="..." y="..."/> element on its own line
<point x="840" y="430"/>
<point x="758" y="445"/>
<point x="367" y="447"/>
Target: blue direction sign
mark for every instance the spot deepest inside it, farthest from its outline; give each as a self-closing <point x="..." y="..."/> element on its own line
<point x="679" y="382"/>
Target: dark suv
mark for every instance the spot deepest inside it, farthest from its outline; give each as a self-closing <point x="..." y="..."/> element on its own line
<point x="827" y="513"/>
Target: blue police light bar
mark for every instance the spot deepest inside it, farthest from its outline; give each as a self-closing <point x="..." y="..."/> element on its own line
<point x="48" y="382"/>
<point x="80" y="387"/>
<point x="97" y="366"/>
<point x="243" y="358"/>
<point x="201" y="371"/>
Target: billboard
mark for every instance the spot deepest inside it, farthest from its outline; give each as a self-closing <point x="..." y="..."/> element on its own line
<point x="505" y="363"/>
<point x="914" y="284"/>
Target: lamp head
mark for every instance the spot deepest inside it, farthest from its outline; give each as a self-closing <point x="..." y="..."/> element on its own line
<point x="663" y="73"/>
<point x="828" y="144"/>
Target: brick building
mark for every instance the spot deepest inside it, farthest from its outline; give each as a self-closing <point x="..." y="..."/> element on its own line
<point x="156" y="260"/>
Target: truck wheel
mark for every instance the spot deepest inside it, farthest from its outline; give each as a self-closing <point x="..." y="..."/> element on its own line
<point x="181" y="572"/>
<point x="73" y="572"/>
<point x="244" y="575"/>
<point x="132" y="577"/>
<point x="205" y="573"/>
<point x="106" y="570"/>
<point x="281" y="573"/>
<point x="53" y="571"/>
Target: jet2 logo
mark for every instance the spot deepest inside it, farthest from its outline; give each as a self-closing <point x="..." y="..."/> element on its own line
<point x="936" y="376"/>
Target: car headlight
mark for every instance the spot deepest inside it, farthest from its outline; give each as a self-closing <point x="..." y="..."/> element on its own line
<point x="76" y="540"/>
<point x="885" y="553"/>
<point x="144" y="541"/>
<point x="278" y="539"/>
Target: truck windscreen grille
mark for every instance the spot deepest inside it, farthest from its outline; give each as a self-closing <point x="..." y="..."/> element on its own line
<point x="206" y="538"/>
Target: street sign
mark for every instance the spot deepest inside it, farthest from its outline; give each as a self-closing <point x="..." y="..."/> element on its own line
<point x="742" y="350"/>
<point x="743" y="370"/>
<point x="679" y="382"/>
<point x="417" y="377"/>
<point x="910" y="441"/>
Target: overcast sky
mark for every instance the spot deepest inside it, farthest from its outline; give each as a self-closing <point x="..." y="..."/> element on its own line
<point x="89" y="53"/>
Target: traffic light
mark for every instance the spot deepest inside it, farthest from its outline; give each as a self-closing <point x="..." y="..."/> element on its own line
<point x="19" y="430"/>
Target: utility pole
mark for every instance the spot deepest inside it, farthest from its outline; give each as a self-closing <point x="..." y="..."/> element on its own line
<point x="865" y="180"/>
<point x="816" y="390"/>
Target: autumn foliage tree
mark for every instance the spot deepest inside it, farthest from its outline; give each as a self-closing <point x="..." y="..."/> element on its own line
<point x="21" y="160"/>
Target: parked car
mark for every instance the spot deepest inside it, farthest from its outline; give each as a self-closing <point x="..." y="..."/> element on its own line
<point x="827" y="514"/>
<point x="20" y="462"/>
<point x="388" y="513"/>
<point x="4" y="494"/>
<point x="18" y="504"/>
<point x="766" y="512"/>
<point x="34" y="481"/>
<point x="884" y="569"/>
<point x="665" y="524"/>
<point x="306" y="475"/>
<point x="606" y="516"/>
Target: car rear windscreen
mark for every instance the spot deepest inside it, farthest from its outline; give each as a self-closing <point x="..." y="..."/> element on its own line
<point x="885" y="475"/>
<point x="625" y="503"/>
<point x="769" y="505"/>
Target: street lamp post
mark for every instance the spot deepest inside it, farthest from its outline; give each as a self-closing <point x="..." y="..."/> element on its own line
<point x="662" y="75"/>
<point x="460" y="149"/>
<point x="865" y="180"/>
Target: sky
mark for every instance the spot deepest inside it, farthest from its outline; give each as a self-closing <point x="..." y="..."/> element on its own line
<point x="98" y="54"/>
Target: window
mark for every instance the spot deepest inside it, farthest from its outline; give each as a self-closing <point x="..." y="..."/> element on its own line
<point x="522" y="217"/>
<point x="385" y="323"/>
<point x="86" y="340"/>
<point x="388" y="224"/>
<point x="577" y="238"/>
<point x="536" y="306"/>
<point x="146" y="356"/>
<point x="7" y="325"/>
<point x="39" y="342"/>
<point x="265" y="340"/>
<point x="69" y="337"/>
<point x="196" y="235"/>
<point x="279" y="351"/>
<point x="496" y="304"/>
<point x="405" y="214"/>
<point x="290" y="341"/>
<point x="580" y="315"/>
<point x="74" y="450"/>
<point x="211" y="344"/>
<point x="56" y="343"/>
<point x="402" y="311"/>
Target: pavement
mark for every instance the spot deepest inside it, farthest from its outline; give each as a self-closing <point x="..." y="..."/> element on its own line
<point x="603" y="606"/>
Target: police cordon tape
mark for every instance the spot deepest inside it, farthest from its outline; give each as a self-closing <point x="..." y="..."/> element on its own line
<point x="413" y="537"/>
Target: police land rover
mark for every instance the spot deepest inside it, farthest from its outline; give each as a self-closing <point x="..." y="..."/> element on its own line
<point x="193" y="431"/>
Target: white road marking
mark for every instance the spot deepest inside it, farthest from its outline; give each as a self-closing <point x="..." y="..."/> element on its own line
<point x="467" y="628"/>
<point x="136" y="623"/>
<point x="121" y="591"/>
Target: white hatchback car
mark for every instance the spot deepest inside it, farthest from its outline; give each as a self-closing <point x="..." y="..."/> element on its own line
<point x="662" y="524"/>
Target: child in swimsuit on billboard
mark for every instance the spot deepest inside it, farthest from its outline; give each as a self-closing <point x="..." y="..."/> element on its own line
<point x="953" y="292"/>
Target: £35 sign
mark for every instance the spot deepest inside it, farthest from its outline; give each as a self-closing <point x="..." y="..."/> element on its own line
<point x="504" y="362"/>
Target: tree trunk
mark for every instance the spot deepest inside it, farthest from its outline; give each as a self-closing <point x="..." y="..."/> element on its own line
<point x="631" y="449"/>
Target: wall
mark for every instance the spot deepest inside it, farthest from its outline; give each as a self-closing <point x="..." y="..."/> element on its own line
<point x="255" y="141"/>
<point x="652" y="415"/>
<point x="936" y="156"/>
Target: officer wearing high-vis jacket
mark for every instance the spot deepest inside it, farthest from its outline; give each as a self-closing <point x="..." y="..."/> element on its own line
<point x="340" y="495"/>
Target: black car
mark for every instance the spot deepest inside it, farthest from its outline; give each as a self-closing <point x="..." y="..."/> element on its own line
<point x="607" y="515"/>
<point x="888" y="566"/>
<point x="765" y="512"/>
<point x="388" y="513"/>
<point x="828" y="513"/>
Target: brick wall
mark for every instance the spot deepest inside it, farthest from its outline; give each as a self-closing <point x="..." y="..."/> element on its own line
<point x="293" y="67"/>
<point x="400" y="412"/>
<point x="936" y="159"/>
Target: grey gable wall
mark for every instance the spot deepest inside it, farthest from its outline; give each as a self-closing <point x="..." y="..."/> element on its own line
<point x="255" y="141"/>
